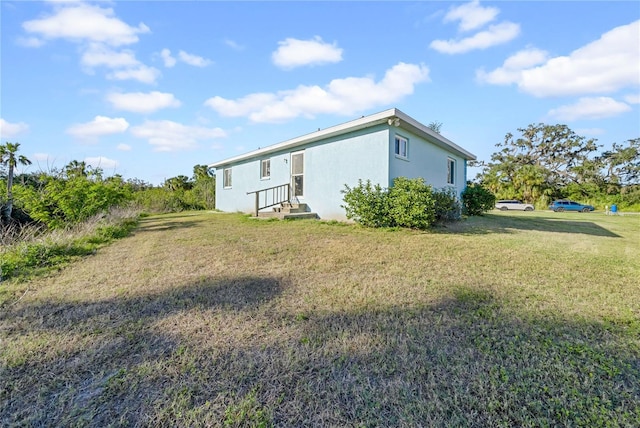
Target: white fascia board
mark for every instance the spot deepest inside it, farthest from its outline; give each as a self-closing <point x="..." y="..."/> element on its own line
<point x="406" y="121"/>
<point x="354" y="125"/>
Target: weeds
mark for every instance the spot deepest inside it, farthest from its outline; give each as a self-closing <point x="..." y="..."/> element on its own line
<point x="29" y="251"/>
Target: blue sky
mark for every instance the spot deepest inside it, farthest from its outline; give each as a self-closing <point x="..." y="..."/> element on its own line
<point x="149" y="89"/>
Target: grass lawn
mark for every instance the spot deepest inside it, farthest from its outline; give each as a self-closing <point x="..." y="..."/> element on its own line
<point x="209" y="319"/>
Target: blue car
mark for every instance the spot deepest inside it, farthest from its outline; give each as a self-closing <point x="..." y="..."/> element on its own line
<point x="566" y="205"/>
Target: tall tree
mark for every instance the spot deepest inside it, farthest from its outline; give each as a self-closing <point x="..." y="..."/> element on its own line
<point x="539" y="163"/>
<point x="201" y="172"/>
<point x="76" y="169"/>
<point x="10" y="159"/>
<point x="622" y="163"/>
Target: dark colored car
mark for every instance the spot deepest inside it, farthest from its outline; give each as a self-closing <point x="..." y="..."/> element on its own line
<point x="566" y="205"/>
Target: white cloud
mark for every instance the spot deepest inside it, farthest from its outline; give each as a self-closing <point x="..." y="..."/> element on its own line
<point x="83" y="22"/>
<point x="590" y="108"/>
<point x="632" y="98"/>
<point x="604" y="66"/>
<point x="98" y="31"/>
<point x="101" y="55"/>
<point x="234" y="45"/>
<point x="471" y="15"/>
<point x="169" y="61"/>
<point x="101" y="162"/>
<point x="242" y="106"/>
<point x="512" y="67"/>
<point x="139" y="102"/>
<point x="99" y="126"/>
<point x="30" y="42"/>
<point x="295" y="53"/>
<point x="494" y="35"/>
<point x="196" y="61"/>
<point x="12" y="130"/>
<point x="340" y="96"/>
<point x="142" y="74"/>
<point x="124" y="147"/>
<point x="168" y="136"/>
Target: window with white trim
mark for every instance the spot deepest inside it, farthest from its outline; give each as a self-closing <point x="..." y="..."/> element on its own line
<point x="451" y="171"/>
<point x="401" y="148"/>
<point x="265" y="169"/>
<point x="226" y="178"/>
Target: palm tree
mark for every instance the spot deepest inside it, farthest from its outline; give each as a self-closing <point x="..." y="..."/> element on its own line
<point x="9" y="158"/>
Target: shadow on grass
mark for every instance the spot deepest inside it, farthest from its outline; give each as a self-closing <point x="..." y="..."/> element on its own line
<point x="225" y="293"/>
<point x="155" y="225"/>
<point x="463" y="361"/>
<point x="491" y="223"/>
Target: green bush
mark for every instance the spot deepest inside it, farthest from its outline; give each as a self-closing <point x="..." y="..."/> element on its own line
<point x="408" y="203"/>
<point x="367" y="204"/>
<point x="60" y="202"/>
<point x="447" y="205"/>
<point x="477" y="200"/>
<point x="411" y="203"/>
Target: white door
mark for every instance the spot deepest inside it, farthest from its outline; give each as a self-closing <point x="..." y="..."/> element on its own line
<point x="297" y="174"/>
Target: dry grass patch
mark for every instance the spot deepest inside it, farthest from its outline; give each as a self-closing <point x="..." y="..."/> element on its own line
<point x="206" y="319"/>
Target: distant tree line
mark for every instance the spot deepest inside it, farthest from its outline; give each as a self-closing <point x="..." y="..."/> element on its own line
<point x="547" y="162"/>
<point x="78" y="191"/>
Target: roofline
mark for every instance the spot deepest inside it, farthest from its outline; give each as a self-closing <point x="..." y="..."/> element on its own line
<point x="353" y="125"/>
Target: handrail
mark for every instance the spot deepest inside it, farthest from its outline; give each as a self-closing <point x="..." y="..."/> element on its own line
<point x="279" y="194"/>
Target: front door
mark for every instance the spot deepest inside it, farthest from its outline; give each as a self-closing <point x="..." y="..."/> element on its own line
<point x="297" y="174"/>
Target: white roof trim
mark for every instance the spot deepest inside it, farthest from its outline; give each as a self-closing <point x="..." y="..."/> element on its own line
<point x="406" y="122"/>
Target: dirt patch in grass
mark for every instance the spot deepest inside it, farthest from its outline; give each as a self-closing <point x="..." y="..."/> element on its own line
<point x="217" y="320"/>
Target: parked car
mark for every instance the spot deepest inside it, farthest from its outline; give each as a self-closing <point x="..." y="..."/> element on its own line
<point x="512" y="204"/>
<point x="566" y="205"/>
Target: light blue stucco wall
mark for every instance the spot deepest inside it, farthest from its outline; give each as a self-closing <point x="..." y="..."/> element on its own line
<point x="331" y="163"/>
<point x="358" y="155"/>
<point x="246" y="178"/>
<point x="327" y="168"/>
<point x="425" y="160"/>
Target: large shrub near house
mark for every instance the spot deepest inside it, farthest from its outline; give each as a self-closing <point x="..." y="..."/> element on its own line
<point x="477" y="200"/>
<point x="411" y="203"/>
<point x="408" y="203"/>
<point x="447" y="205"/>
<point x="367" y="204"/>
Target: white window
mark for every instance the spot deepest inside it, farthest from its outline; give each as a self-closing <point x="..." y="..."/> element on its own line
<point x="226" y="178"/>
<point x="265" y="169"/>
<point x="401" y="148"/>
<point x="451" y="171"/>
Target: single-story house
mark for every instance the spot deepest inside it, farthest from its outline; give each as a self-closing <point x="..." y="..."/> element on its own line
<point x="313" y="169"/>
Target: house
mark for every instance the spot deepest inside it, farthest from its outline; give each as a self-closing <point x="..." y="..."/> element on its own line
<point x="313" y="169"/>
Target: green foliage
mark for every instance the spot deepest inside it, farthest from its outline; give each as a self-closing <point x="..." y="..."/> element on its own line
<point x="367" y="204"/>
<point x="477" y="200"/>
<point x="29" y="257"/>
<point x="60" y="201"/>
<point x="408" y="203"/>
<point x="9" y="160"/>
<point x="551" y="161"/>
<point x="447" y="205"/>
<point x="180" y="193"/>
<point x="411" y="203"/>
